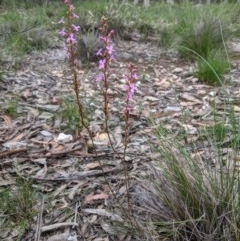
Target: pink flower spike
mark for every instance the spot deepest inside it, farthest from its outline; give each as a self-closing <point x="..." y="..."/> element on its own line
<point x="61" y="20"/>
<point x="101" y="63"/>
<point x="62" y="32"/>
<point x="71" y="38"/>
<point x="75" y="15"/>
<point x="66" y="2"/>
<point x="75" y="27"/>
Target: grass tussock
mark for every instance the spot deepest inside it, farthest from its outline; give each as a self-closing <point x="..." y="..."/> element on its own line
<point x="17" y="207"/>
<point x="187" y="199"/>
<point x="211" y="69"/>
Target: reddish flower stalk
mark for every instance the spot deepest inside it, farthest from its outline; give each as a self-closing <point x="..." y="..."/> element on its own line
<point x="69" y="32"/>
<point x="106" y="57"/>
<point x="131" y="79"/>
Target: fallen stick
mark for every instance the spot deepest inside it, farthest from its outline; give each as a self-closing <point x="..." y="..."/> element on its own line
<point x="57" y="226"/>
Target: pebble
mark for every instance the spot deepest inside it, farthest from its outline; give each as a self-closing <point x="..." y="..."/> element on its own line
<point x="177" y="70"/>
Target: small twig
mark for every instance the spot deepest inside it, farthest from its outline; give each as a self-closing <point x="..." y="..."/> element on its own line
<point x="81" y="175"/>
<point x="75" y="212"/>
<point x="12" y="152"/>
<point x="39" y="221"/>
<point x="57" y="226"/>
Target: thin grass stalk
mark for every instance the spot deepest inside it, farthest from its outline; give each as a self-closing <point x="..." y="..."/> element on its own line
<point x="203" y="59"/>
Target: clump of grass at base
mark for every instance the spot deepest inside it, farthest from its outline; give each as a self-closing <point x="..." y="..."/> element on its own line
<point x="211" y="69"/>
<point x="17" y="206"/>
<point x="70" y="115"/>
<point x="11" y="109"/>
<point x="185" y="198"/>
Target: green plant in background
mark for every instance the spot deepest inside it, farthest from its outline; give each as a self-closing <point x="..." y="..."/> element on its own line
<point x="88" y="46"/>
<point x="166" y="37"/>
<point x="212" y="68"/>
<point x="18" y="206"/>
<point x="202" y="37"/>
<point x="199" y="29"/>
<point x="25" y="31"/>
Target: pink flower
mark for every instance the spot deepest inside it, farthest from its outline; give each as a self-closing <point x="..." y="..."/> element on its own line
<point x="71" y="7"/>
<point x="110" y="33"/>
<point x="66" y="2"/>
<point x="135" y="76"/>
<point x="131" y="88"/>
<point x="104" y="39"/>
<point x="99" y="77"/>
<point x="99" y="52"/>
<point x="75" y="15"/>
<point x="110" y="49"/>
<point x="71" y="38"/>
<point x="101" y="63"/>
<point x="61" y="20"/>
<point x="63" y="32"/>
<point x="75" y="27"/>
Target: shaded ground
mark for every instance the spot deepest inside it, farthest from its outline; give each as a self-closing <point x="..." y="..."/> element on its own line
<point x="75" y="194"/>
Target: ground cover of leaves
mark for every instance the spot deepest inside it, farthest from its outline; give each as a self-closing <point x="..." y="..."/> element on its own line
<point x="75" y="200"/>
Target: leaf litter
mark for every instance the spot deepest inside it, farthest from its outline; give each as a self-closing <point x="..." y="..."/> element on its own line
<point x="71" y="177"/>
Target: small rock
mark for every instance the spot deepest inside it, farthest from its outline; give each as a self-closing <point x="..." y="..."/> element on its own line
<point x="15" y="144"/>
<point x="172" y="108"/>
<point x="64" y="138"/>
<point x="177" y="70"/>
<point x="46" y="133"/>
<point x="46" y="116"/>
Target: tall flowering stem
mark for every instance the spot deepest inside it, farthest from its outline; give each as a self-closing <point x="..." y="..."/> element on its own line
<point x="131" y="78"/>
<point x="69" y="33"/>
<point x="106" y="57"/>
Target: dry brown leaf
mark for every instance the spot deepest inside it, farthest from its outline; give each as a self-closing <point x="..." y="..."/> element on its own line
<point x="76" y="189"/>
<point x="59" y="237"/>
<point x="26" y="93"/>
<point x="162" y="84"/>
<point x="7" y="120"/>
<point x="103" y="212"/>
<point x="42" y="172"/>
<point x="101" y="239"/>
<point x="8" y="180"/>
<point x="190" y="98"/>
<point x="91" y="166"/>
<point x="93" y="196"/>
